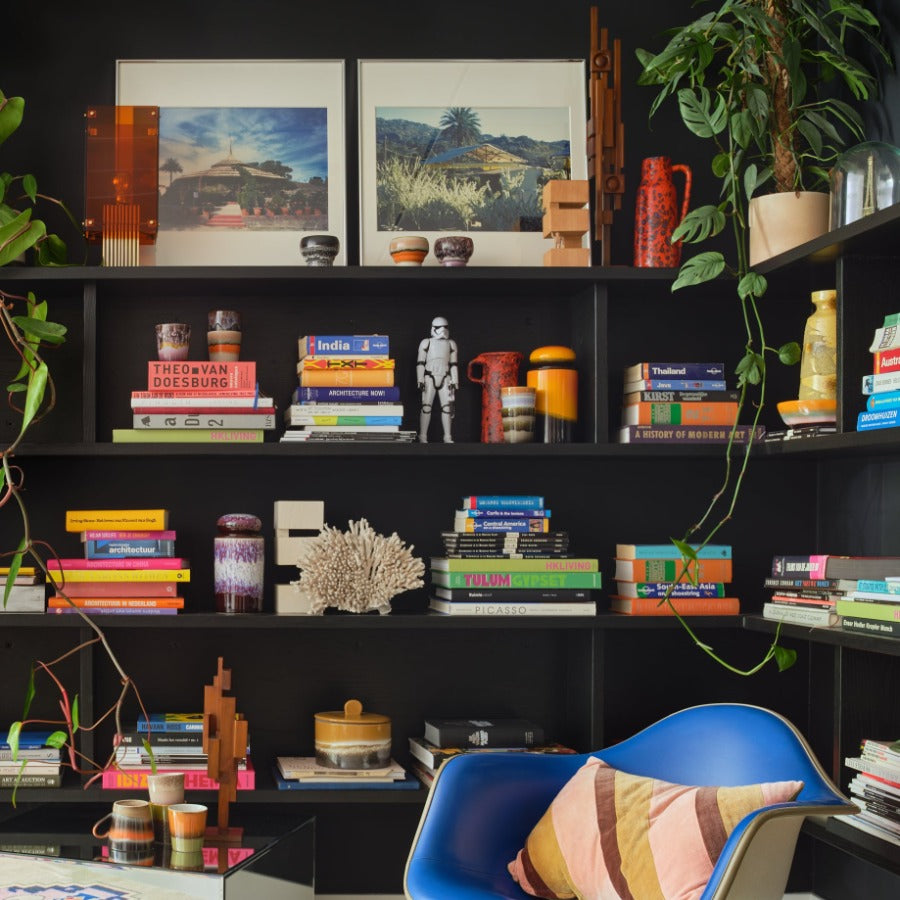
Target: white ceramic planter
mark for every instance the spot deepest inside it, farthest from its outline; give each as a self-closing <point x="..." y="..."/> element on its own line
<point x="779" y="222"/>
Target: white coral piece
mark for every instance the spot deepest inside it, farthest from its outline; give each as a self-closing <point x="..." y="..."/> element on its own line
<point x="357" y="570"/>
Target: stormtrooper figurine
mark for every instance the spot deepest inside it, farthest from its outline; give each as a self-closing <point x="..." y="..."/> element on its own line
<point x="436" y="373"/>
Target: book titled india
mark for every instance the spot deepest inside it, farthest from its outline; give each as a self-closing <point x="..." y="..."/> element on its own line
<point x="685" y="370"/>
<point x="498" y="732"/>
<point x="201" y="376"/>
<point x="686" y="606"/>
<point x="369" y="345"/>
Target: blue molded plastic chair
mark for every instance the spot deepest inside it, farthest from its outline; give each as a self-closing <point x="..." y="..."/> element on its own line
<point x="481" y="807"/>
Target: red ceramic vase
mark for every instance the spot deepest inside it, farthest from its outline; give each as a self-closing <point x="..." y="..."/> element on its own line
<point x="498" y="369"/>
<point x="656" y="214"/>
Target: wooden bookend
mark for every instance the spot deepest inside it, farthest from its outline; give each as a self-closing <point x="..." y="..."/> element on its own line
<point x="566" y="220"/>
<point x="605" y="133"/>
<point x="225" y="742"/>
<point x="297" y="523"/>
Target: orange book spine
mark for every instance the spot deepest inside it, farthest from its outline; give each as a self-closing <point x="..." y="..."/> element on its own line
<point x="686" y="606"/>
<point x="688" y="413"/>
<point x="341" y="362"/>
<point x="59" y="602"/>
<point x="670" y="569"/>
<point x="347" y="378"/>
<point x="194" y="779"/>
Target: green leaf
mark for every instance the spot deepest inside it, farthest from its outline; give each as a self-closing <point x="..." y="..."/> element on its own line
<point x="750" y="180"/>
<point x="813" y="136"/>
<point x="685" y="549"/>
<point x="29" y="185"/>
<point x="700" y="268"/>
<point x="19" y="235"/>
<point x="751" y="369"/>
<point x="11" y="112"/>
<point x="721" y="164"/>
<point x="701" y="114"/>
<point x="29" y="695"/>
<point x="37" y="385"/>
<point x="52" y="251"/>
<point x="13" y="738"/>
<point x="784" y="658"/>
<point x="699" y="224"/>
<point x="789" y="353"/>
<point x="742" y="127"/>
<point x="14" y="565"/>
<point x="57" y="739"/>
<point x="51" y="332"/>
<point x="150" y="754"/>
<point x="75" y="719"/>
<point x="752" y="285"/>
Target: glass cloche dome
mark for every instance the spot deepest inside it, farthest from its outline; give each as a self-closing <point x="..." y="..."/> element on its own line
<point x="864" y="179"/>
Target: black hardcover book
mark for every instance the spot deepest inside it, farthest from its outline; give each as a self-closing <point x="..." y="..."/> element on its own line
<point x="483" y="732"/>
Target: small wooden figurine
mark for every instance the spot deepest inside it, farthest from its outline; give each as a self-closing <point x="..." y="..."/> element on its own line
<point x="225" y="742"/>
<point x="566" y="220"/>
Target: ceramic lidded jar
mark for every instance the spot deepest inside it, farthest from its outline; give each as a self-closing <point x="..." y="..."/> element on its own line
<point x="352" y="739"/>
<point x="453" y="250"/>
<point x="409" y="250"/>
<point x="319" y="249"/>
<point x="239" y="551"/>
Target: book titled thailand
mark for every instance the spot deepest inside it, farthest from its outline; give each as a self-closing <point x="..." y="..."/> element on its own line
<point x="682" y="370"/>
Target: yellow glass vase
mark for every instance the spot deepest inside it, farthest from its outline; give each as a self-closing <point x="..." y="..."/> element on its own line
<point x="818" y="362"/>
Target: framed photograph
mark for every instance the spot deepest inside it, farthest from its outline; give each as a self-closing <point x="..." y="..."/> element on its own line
<point x="464" y="147"/>
<point x="251" y="157"/>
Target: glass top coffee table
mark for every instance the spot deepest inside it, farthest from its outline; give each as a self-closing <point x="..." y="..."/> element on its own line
<point x="48" y="851"/>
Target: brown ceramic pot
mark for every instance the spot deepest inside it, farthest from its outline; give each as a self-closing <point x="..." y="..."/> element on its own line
<point x="352" y="739"/>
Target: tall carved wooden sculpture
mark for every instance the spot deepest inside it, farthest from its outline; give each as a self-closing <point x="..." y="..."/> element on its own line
<point x="605" y="133"/>
<point x="225" y="742"/>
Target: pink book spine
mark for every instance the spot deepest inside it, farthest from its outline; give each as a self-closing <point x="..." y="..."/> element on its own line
<point x="123" y="589"/>
<point x="128" y="535"/>
<point x="817" y="566"/>
<point x="196" y="375"/>
<point x="194" y="779"/>
<point x="130" y="562"/>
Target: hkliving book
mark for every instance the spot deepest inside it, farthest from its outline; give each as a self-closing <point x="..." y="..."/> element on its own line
<point x="345" y="377"/>
<point x="686" y="606"/>
<point x="671" y="570"/>
<point x="188" y="436"/>
<point x="670" y="551"/>
<point x="200" y="376"/>
<point x="372" y="346"/>
<point x="702" y="413"/>
<point x="234" y="420"/>
<point x="494" y="732"/>
<point x="567" y="564"/>
<point x="503" y="501"/>
<point x="682" y="370"/>
<point x="117" y="519"/>
<point x="506" y="580"/>
<point x="123" y="549"/>
<point x="689" y="434"/>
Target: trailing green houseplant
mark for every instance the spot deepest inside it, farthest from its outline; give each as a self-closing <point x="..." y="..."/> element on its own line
<point x="758" y="79"/>
<point x="32" y="394"/>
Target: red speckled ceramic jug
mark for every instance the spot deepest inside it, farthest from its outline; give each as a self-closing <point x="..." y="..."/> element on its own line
<point x="656" y="213"/>
<point x="499" y="368"/>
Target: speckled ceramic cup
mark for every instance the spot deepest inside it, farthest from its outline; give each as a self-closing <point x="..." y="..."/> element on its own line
<point x="409" y="250"/>
<point x="454" y="250"/>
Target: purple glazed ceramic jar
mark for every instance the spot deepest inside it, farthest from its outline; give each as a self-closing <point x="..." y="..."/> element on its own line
<point x="239" y="564"/>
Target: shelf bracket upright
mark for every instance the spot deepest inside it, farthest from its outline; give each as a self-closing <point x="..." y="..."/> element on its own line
<point x="605" y="133"/>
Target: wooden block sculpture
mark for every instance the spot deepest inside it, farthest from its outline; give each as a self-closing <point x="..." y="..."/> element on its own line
<point x="225" y="742"/>
<point x="297" y="523"/>
<point x="566" y="220"/>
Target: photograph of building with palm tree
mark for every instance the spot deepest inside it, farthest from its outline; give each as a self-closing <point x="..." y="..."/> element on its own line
<point x="243" y="168"/>
<point x="465" y="168"/>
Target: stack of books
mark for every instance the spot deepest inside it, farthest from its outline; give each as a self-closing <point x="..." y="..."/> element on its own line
<point x="680" y="403"/>
<point x="882" y="387"/>
<point x="42" y="763"/>
<point x="800" y="596"/>
<point x="446" y="738"/>
<point x="27" y="593"/>
<point x="298" y="773"/>
<point x="859" y="593"/>
<point x="646" y="573"/>
<point x="876" y="789"/>
<point x="346" y="392"/>
<point x="495" y="579"/>
<point x="199" y="402"/>
<point x="177" y="743"/>
<point x="129" y="565"/>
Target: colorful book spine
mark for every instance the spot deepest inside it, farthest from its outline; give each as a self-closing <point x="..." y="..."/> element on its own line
<point x="884" y="400"/>
<point x="346" y="395"/>
<point x="568" y="564"/>
<point x="101" y="535"/>
<point x="503" y="501"/>
<point x="799" y="615"/>
<point x="878" y="586"/>
<point x="344" y="409"/>
<point x="686" y="606"/>
<point x="116" y="519"/>
<point x="513" y="595"/>
<point x="688" y="434"/>
<point x="880" y="418"/>
<point x="60" y="602"/>
<point x="53" y="779"/>
<point x="75" y="575"/>
<point x="703" y="413"/>
<point x="121" y="589"/>
<point x="162" y="562"/>
<point x="658" y="589"/>
<point x="122" y="549"/>
<point x="885" y="361"/>
<point x="112" y="611"/>
<point x="371" y="345"/>
<point x="869" y="609"/>
<point x="686" y="370"/>
<point x="346" y="377"/>
<point x="194" y="779"/>
<point x="171" y="721"/>
<point x="201" y="376"/>
<point x="345" y="362"/>
<point x="870" y="626"/>
<point x="682" y="396"/>
<point x="303" y="419"/>
<point x="187" y="436"/>
<point x="481" y="608"/>
<point x="876" y="384"/>
<point x="503" y="513"/>
<point x="670" y="551"/>
<point x="466" y="524"/>
<point x="503" y="580"/>
<point x="260" y="419"/>
<point x="809" y="567"/>
<point x="671" y="569"/>
<point x="887" y="337"/>
<point x="181" y="400"/>
<point x="674" y="384"/>
<point x="826" y="584"/>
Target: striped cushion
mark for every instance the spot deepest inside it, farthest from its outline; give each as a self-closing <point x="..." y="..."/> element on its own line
<point x="610" y="835"/>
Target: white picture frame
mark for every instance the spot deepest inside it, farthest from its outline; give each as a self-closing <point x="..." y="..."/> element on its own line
<point x="295" y="88"/>
<point x="514" y="88"/>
